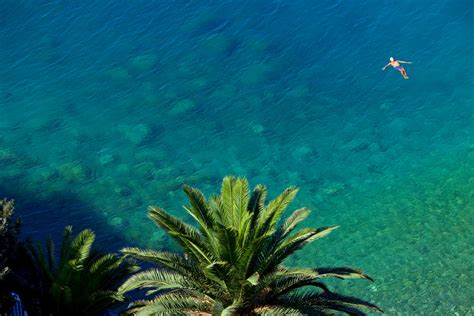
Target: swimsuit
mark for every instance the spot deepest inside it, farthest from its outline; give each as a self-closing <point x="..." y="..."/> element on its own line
<point x="399" y="68"/>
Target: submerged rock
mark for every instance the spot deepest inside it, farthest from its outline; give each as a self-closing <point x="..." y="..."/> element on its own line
<point x="118" y="74"/>
<point x="45" y="175"/>
<point x="219" y="45"/>
<point x="144" y="62"/>
<point x="108" y="159"/>
<point x="198" y="83"/>
<point x="182" y="106"/>
<point x="258" y="128"/>
<point x="301" y="152"/>
<point x="205" y="23"/>
<point x="52" y="125"/>
<point x="124" y="191"/>
<point x="145" y="170"/>
<point x="333" y="188"/>
<point x="116" y="221"/>
<point x="255" y="44"/>
<point x="7" y="157"/>
<point x="256" y="74"/>
<point x="73" y="172"/>
<point x="137" y="133"/>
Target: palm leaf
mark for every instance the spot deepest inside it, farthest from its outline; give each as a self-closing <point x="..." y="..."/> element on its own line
<point x="105" y="271"/>
<point x="39" y="260"/>
<point x="172" y="304"/>
<point x="228" y="240"/>
<point x="241" y="200"/>
<point x="296" y="305"/>
<point x="275" y="208"/>
<point x="290" y="285"/>
<point x="61" y="293"/>
<point x="170" y="260"/>
<point x="156" y="278"/>
<point x="50" y="251"/>
<point x="332" y="300"/>
<point x="199" y="208"/>
<point x="227" y="198"/>
<point x="292" y="221"/>
<point x="80" y="248"/>
<point x="277" y="310"/>
<point x="292" y="244"/>
<point x="256" y="206"/>
<point x="342" y="273"/>
<point x="186" y="235"/>
<point x="65" y="245"/>
<point x="99" y="300"/>
<point x="217" y="209"/>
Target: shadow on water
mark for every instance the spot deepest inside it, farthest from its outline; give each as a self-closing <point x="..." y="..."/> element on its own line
<point x="44" y="215"/>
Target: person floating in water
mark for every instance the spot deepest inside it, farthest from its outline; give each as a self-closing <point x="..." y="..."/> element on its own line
<point x="396" y="64"/>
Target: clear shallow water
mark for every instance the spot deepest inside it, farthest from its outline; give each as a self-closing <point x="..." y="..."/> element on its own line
<point x="107" y="107"/>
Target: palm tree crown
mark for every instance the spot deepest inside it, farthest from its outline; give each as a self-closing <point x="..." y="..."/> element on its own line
<point x="81" y="280"/>
<point x="232" y="260"/>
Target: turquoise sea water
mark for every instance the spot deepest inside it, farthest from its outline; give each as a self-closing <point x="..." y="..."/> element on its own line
<point x="107" y="107"/>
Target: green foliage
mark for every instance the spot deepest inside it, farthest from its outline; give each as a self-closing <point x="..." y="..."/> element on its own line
<point x="80" y="281"/>
<point x="232" y="260"/>
<point x="8" y="235"/>
<point x="9" y="252"/>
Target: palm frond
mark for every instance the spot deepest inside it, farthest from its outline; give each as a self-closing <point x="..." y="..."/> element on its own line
<point x="231" y="309"/>
<point x="227" y="198"/>
<point x="80" y="248"/>
<point x="205" y="277"/>
<point x="292" y="244"/>
<point x="346" y="310"/>
<point x="334" y="301"/>
<point x="172" y="304"/>
<point x="186" y="235"/>
<point x="199" y="208"/>
<point x="269" y="217"/>
<point x="349" y="301"/>
<point x="228" y="241"/>
<point x="50" y="251"/>
<point x="65" y="245"/>
<point x="241" y="200"/>
<point x="156" y="278"/>
<point x="100" y="300"/>
<point x="256" y="205"/>
<point x="39" y="259"/>
<point x="107" y="270"/>
<point x="342" y="273"/>
<point x="294" y="306"/>
<point x="235" y="199"/>
<point x="295" y="284"/>
<point x="167" y="259"/>
<point x="105" y="264"/>
<point x="217" y="209"/>
<point x="291" y="222"/>
<point x="254" y="254"/>
<point x="277" y="310"/>
<point x="61" y="293"/>
<point x="295" y="274"/>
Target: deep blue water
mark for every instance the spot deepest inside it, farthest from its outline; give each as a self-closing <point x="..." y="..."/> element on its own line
<point x="107" y="107"/>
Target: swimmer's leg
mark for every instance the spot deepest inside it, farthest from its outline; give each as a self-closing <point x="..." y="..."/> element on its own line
<point x="404" y="73"/>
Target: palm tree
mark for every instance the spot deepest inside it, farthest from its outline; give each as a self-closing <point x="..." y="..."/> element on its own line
<point x="81" y="281"/>
<point x="232" y="262"/>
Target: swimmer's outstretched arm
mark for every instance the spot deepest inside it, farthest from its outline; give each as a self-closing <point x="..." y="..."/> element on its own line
<point x="385" y="66"/>
<point x="404" y="62"/>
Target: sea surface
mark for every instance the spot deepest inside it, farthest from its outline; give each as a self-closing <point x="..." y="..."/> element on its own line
<point x="107" y="107"/>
